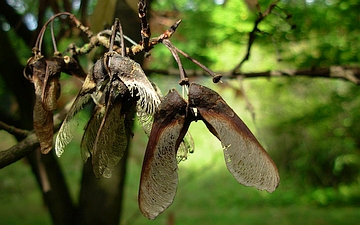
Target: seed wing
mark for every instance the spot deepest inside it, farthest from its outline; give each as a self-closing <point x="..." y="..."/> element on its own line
<point x="159" y="176"/>
<point x="42" y="119"/>
<point x="111" y="139"/>
<point x="91" y="131"/>
<point x="51" y="85"/>
<point x="35" y="71"/>
<point x="245" y="158"/>
<point x="70" y="123"/>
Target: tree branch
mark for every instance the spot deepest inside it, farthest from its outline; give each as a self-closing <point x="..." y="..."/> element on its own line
<point x="19" y="150"/>
<point x="13" y="130"/>
<point x="351" y="74"/>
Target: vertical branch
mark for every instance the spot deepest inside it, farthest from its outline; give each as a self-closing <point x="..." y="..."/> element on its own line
<point x="11" y="71"/>
<point x="83" y="8"/>
<point x="58" y="199"/>
<point x="183" y="77"/>
<point x="252" y="34"/>
<point x="145" y="27"/>
<point x="101" y="199"/>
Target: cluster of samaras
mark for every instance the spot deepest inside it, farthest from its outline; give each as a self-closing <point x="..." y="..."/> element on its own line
<point x="118" y="86"/>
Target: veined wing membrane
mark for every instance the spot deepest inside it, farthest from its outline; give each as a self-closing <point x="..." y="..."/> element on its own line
<point x="146" y="120"/>
<point x="92" y="87"/>
<point x="159" y="176"/>
<point x="111" y="139"/>
<point x="43" y="119"/>
<point x="186" y="147"/>
<point x="245" y="158"/>
<point x="70" y="123"/>
<point x="51" y="86"/>
<point x="91" y="129"/>
<point x="35" y="71"/>
<point x="138" y="84"/>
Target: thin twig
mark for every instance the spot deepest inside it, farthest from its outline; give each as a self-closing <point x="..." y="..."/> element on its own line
<point x="252" y="34"/>
<point x="53" y="36"/>
<point x="216" y="76"/>
<point x="72" y="17"/>
<point x="249" y="106"/>
<point x="351" y="74"/>
<point x="183" y="77"/>
<point x="145" y="27"/>
<point x="13" y="130"/>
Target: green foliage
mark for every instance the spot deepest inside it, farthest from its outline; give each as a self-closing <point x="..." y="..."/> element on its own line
<point x="206" y="28"/>
<point x="326" y="33"/>
<point x="316" y="142"/>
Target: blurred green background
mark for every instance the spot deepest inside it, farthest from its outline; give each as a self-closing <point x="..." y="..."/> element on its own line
<point x="309" y="126"/>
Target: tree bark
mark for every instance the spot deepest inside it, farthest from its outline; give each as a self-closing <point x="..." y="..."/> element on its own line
<point x="101" y="199"/>
<point x="11" y="71"/>
<point x="54" y="189"/>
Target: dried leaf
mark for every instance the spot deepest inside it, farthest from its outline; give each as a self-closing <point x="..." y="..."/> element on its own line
<point x="35" y="71"/>
<point x="42" y="119"/>
<point x="159" y="176"/>
<point x="51" y="85"/>
<point x="245" y="158"/>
